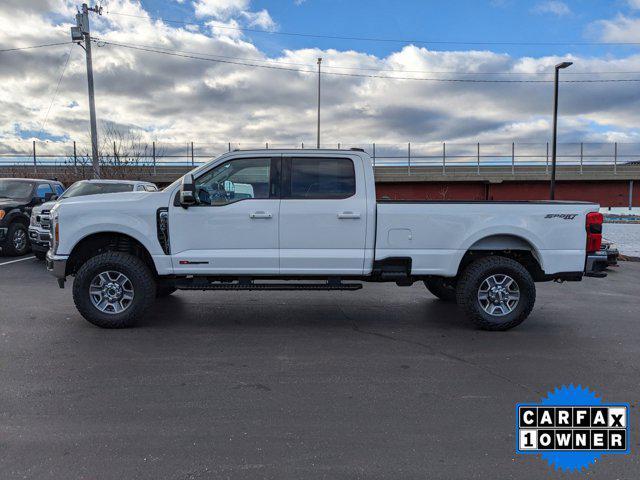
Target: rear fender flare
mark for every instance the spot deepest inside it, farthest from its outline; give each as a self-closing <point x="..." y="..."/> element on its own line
<point x="518" y="234"/>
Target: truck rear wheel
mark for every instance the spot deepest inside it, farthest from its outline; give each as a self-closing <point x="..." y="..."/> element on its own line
<point x="441" y="288"/>
<point x="114" y="289"/>
<point x="496" y="293"/>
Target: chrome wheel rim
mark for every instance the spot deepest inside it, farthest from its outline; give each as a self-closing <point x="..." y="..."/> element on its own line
<point x="111" y="292"/>
<point x="499" y="295"/>
<point x="20" y="239"/>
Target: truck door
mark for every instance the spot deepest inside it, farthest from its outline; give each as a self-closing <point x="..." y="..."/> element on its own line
<point x="323" y="216"/>
<point x="234" y="227"/>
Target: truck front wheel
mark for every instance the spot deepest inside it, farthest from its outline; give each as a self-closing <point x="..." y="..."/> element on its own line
<point x="114" y="289"/>
<point x="17" y="240"/>
<point x="496" y="293"/>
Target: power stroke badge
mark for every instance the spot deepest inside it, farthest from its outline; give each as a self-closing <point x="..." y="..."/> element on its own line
<point x="571" y="428"/>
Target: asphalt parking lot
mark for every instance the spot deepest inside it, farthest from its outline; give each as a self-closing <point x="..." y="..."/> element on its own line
<point x="386" y="382"/>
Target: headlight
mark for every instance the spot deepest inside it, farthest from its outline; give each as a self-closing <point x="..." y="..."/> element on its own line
<point x="2" y="214"/>
<point x="55" y="232"/>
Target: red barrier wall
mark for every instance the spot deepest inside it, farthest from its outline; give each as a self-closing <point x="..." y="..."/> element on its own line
<point x="606" y="193"/>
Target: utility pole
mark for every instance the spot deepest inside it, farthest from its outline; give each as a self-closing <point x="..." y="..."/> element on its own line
<point x="319" y="62"/>
<point x="80" y="33"/>
<point x="560" y="66"/>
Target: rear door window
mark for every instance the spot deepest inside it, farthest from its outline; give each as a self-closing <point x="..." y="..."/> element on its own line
<point x="321" y="178"/>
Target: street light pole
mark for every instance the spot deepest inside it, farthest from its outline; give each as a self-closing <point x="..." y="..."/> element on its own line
<point x="318" y="140"/>
<point x="552" y="191"/>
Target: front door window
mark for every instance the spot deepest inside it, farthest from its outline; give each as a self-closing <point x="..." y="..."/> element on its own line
<point x="242" y="179"/>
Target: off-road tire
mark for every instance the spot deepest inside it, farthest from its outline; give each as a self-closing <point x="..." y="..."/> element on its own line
<point x="444" y="290"/>
<point x="164" y="290"/>
<point x="141" y="277"/>
<point x="10" y="249"/>
<point x="40" y="255"/>
<point x="474" y="275"/>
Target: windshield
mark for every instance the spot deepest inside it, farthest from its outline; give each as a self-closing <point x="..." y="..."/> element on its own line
<point x="15" y="189"/>
<point x="193" y="172"/>
<point x="80" y="189"/>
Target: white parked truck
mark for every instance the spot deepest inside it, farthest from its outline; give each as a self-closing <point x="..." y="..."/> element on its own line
<point x="309" y="220"/>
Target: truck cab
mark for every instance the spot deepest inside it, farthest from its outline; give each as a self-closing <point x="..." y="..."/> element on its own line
<point x="306" y="215"/>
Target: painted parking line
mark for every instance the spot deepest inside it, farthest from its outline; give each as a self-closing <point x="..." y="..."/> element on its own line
<point x="16" y="261"/>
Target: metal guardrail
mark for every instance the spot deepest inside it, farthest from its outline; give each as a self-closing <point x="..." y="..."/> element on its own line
<point x="409" y="158"/>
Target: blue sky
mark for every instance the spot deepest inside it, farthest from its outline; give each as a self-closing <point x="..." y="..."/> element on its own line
<point x="457" y="20"/>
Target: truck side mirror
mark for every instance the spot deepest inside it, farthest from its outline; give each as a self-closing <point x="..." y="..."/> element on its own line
<point x="187" y="191"/>
<point x="49" y="196"/>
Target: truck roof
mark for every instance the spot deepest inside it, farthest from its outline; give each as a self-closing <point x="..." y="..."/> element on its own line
<point x="300" y="150"/>
<point x="32" y="180"/>
<point x="126" y="182"/>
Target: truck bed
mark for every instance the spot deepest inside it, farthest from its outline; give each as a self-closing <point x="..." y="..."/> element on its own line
<point x="437" y="234"/>
<point x="516" y="202"/>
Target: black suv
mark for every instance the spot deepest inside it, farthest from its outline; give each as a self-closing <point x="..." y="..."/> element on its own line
<point x="17" y="197"/>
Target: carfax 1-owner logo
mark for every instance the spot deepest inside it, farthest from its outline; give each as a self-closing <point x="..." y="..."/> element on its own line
<point x="571" y="428"/>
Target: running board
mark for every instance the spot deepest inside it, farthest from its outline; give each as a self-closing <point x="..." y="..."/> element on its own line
<point x="269" y="286"/>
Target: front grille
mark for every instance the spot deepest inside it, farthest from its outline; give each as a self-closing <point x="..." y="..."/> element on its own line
<point x="162" y="219"/>
<point x="45" y="220"/>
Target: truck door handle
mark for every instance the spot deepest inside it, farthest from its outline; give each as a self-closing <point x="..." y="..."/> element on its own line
<point x="348" y="215"/>
<point x="260" y="215"/>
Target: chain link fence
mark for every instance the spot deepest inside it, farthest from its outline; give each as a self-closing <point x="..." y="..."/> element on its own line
<point x="407" y="158"/>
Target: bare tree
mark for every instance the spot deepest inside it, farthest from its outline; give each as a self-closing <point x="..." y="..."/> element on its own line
<point x="122" y="155"/>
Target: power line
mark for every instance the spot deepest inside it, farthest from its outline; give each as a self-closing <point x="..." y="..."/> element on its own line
<point x="342" y="74"/>
<point x="372" y="39"/>
<point x="33" y="46"/>
<point x="55" y="93"/>
<point x="342" y="67"/>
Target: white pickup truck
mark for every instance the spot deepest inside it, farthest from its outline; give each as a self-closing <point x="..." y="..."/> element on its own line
<point x="309" y="220"/>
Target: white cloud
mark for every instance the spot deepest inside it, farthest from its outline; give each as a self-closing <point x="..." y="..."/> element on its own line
<point x="223" y="9"/>
<point x="619" y="29"/>
<point x="230" y="29"/>
<point x="634" y="3"/>
<point x="554" y="7"/>
<point x="233" y="12"/>
<point x="260" y="19"/>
